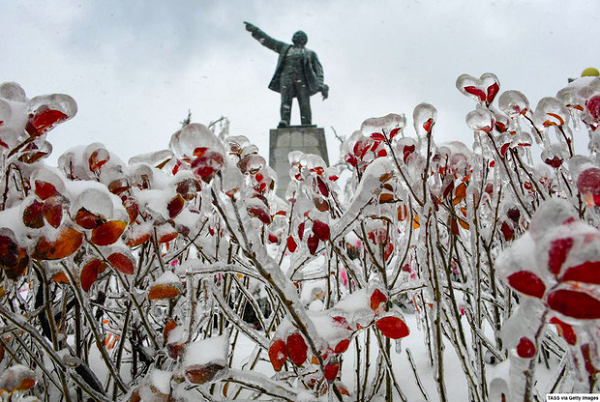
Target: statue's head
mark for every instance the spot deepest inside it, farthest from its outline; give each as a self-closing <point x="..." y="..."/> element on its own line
<point x="300" y="38"/>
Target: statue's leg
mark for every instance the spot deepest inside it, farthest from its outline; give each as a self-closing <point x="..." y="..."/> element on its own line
<point x="304" y="102"/>
<point x="287" y="95"/>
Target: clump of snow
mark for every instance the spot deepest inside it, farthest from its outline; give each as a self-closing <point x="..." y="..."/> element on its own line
<point x="167" y="277"/>
<point x="210" y="350"/>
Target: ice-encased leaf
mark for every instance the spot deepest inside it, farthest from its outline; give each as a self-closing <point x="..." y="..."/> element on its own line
<point x="278" y="354"/>
<point x="156" y="159"/>
<point x="194" y="137"/>
<point x="67" y="241"/>
<point x="482" y="89"/>
<point x="202" y="357"/>
<point x="297" y="348"/>
<point x="47" y="183"/>
<point x="390" y="126"/>
<point x="13" y="92"/>
<point x="480" y="120"/>
<point x="17" y="378"/>
<point x="549" y="214"/>
<point x="513" y="103"/>
<point x="424" y="118"/>
<point x="527" y="283"/>
<point x="550" y="112"/>
<point x="574" y="303"/>
<point x="47" y="111"/>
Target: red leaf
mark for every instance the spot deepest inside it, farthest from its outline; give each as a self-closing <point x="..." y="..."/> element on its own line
<point x="297" y="349"/>
<point x="97" y="159"/>
<point x="312" y="243"/>
<point x="45" y="190"/>
<point x="504" y="148"/>
<point x="526" y="349"/>
<point x="428" y="125"/>
<point x="301" y="230"/>
<point x="565" y="330"/>
<point x="528" y="283"/>
<point x="392" y="327"/>
<point x="278" y="354"/>
<point x="32" y="215"/>
<point x="587" y="358"/>
<point x="44" y="119"/>
<point x="557" y="254"/>
<point x="377" y="136"/>
<point x="476" y="91"/>
<point x="119" y="186"/>
<point x="588" y="272"/>
<point x="132" y="207"/>
<point x="87" y="219"/>
<point x="291" y="244"/>
<point x="492" y="90"/>
<point x="261" y="214"/>
<point x="66" y="243"/>
<point x="574" y="304"/>
<point x="89" y="273"/>
<point x="394" y="132"/>
<point x="122" y="263"/>
<point x="408" y="149"/>
<point x="321" y="230"/>
<point x="507" y="231"/>
<point x="175" y="206"/>
<point x="377" y="298"/>
<point x="342" y="346"/>
<point x="322" y="187"/>
<point x="53" y="211"/>
<point x="13" y="259"/>
<point x="108" y="232"/>
<point x="331" y="370"/>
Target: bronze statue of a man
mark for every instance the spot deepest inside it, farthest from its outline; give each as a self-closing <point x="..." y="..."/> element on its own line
<point x="299" y="74"/>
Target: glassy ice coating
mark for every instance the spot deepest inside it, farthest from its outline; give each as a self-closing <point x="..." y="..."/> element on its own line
<point x="183" y="275"/>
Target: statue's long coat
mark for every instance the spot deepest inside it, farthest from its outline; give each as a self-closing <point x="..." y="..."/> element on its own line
<point x="313" y="71"/>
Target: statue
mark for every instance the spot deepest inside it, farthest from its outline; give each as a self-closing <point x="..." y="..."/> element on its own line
<point x="299" y="74"/>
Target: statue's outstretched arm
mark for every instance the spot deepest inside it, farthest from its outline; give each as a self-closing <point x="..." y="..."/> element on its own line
<point x="265" y="39"/>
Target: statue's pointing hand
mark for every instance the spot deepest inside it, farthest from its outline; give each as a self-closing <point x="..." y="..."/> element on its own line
<point x="250" y="27"/>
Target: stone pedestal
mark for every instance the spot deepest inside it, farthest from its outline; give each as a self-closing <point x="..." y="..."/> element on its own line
<point x="307" y="139"/>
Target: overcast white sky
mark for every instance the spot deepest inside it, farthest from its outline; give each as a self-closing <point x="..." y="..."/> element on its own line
<point x="136" y="67"/>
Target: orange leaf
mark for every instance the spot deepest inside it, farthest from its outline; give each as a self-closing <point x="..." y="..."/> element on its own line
<point x="416" y="222"/>
<point x="201" y="374"/>
<point x="460" y="191"/>
<point x="122" y="263"/>
<point x="463" y="224"/>
<point x="89" y="273"/>
<point x="166" y="233"/>
<point x="66" y="243"/>
<point x="163" y="291"/>
<point x="108" y="232"/>
<point x="169" y="326"/>
<point x="61" y="277"/>
<point x="386" y="198"/>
